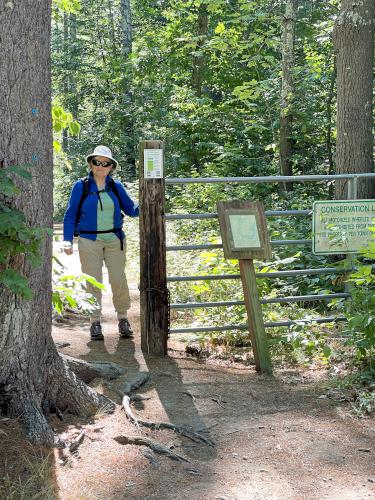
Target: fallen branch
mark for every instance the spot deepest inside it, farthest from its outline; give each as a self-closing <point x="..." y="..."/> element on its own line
<point x="154" y="445"/>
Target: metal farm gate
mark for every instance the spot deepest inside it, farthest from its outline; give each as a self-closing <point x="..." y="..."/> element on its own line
<point x="155" y="301"/>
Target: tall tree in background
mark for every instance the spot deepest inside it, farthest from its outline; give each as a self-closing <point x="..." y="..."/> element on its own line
<point x="199" y="61"/>
<point x="287" y="89"/>
<point x="354" y="45"/>
<point x="33" y="376"/>
<point x="198" y="54"/>
<point x="127" y="81"/>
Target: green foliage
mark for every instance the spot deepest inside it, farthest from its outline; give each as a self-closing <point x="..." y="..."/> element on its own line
<point x="359" y="387"/>
<point x="230" y="125"/>
<point x="306" y="341"/>
<point x="15" y="282"/>
<point x="72" y="6"/>
<point x="361" y="315"/>
<point x="18" y="241"/>
<point x="69" y="291"/>
<point x="61" y="120"/>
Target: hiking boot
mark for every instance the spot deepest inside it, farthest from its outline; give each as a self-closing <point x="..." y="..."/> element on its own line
<point x="124" y="328"/>
<point x="96" y="331"/>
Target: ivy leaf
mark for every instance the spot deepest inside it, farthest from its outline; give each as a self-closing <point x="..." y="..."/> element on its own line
<point x="16" y="283"/>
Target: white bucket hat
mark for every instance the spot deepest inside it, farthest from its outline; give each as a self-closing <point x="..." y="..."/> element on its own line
<point x="102" y="151"/>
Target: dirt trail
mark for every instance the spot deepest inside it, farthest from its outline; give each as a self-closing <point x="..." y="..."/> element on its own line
<point x="276" y="437"/>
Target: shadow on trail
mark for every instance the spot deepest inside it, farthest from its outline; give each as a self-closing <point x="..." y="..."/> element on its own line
<point x="263" y="427"/>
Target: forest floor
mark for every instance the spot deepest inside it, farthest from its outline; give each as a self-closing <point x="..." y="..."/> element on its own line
<point x="279" y="437"/>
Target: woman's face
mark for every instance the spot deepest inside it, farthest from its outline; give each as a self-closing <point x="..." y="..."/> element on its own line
<point x="102" y="168"/>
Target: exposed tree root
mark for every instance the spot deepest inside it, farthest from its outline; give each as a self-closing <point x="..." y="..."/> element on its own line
<point x="37" y="428"/>
<point x="157" y="447"/>
<point x="131" y="385"/>
<point x="88" y="371"/>
<point x="64" y="392"/>
<point x="149" y="454"/>
<point x="154" y="445"/>
<point x="74" y="445"/>
<point x="179" y="429"/>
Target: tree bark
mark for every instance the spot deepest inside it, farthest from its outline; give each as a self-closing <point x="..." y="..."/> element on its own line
<point x="128" y="101"/>
<point x="329" y="105"/>
<point x="198" y="63"/>
<point x="66" y="79"/>
<point x="287" y="91"/>
<point x="354" y="47"/>
<point x="198" y="56"/>
<point x="31" y="370"/>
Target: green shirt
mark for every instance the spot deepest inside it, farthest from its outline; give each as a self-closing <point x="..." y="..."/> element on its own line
<point x="105" y="217"/>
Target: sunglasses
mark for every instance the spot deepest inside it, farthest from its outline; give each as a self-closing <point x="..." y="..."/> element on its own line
<point x="99" y="163"/>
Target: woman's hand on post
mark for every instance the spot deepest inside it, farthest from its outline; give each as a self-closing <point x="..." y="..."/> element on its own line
<point x="68" y="247"/>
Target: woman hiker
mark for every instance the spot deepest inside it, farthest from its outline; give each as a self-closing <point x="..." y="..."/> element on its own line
<point x="94" y="215"/>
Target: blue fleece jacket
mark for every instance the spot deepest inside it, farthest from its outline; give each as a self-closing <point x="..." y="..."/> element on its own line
<point x="88" y="219"/>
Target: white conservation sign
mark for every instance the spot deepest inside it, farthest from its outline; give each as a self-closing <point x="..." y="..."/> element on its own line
<point x="153" y="163"/>
<point x="342" y="226"/>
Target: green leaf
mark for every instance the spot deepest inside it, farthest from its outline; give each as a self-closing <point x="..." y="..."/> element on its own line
<point x="327" y="351"/>
<point x="220" y="28"/>
<point x="16" y="283"/>
<point x="57" y="146"/>
<point x="74" y="128"/>
<point x="57" y="127"/>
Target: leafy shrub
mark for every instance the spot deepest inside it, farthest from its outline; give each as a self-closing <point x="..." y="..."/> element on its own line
<point x="361" y="314"/>
<point x="69" y="291"/>
<point x="18" y="240"/>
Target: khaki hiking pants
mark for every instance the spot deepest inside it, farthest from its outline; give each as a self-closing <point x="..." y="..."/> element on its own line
<point x="92" y="255"/>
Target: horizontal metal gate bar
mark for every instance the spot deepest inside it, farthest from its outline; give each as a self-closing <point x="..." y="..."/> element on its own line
<point x="207" y="246"/>
<point x="276" y="300"/>
<point x="276" y="274"/>
<point x="268" y="213"/>
<point x="271" y="178"/>
<point x="271" y="324"/>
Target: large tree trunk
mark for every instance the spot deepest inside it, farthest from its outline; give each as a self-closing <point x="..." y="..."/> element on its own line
<point x="287" y="90"/>
<point x="329" y="105"/>
<point x="32" y="374"/>
<point x="128" y="101"/>
<point x="354" y="46"/>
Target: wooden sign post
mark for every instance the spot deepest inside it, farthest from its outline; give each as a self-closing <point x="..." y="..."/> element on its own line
<point x="245" y="237"/>
<point x="153" y="282"/>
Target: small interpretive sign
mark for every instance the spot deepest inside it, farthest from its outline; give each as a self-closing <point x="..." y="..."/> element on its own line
<point x="153" y="163"/>
<point x="244" y="230"/>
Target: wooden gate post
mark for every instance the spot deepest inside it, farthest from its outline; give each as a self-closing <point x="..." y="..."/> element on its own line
<point x="153" y="276"/>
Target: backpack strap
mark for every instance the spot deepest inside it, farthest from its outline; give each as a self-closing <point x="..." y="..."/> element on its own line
<point x="84" y="195"/>
<point x="113" y="188"/>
